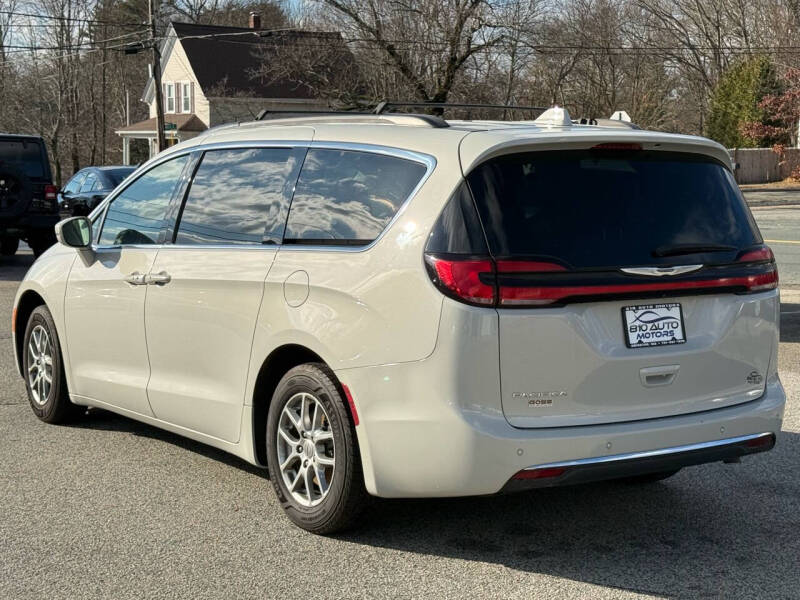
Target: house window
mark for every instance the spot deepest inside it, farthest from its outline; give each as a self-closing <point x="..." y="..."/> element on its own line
<point x="186" y="97"/>
<point x="169" y="97"/>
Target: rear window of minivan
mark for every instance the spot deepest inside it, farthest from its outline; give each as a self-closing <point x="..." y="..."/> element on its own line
<point x="599" y="209"/>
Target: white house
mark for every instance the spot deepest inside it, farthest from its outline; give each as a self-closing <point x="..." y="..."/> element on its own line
<point x="209" y="77"/>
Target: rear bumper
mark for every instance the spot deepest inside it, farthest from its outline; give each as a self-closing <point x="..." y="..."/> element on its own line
<point x="638" y="463"/>
<point x="425" y="434"/>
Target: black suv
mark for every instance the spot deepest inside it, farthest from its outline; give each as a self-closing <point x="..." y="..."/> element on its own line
<point x="28" y="206"/>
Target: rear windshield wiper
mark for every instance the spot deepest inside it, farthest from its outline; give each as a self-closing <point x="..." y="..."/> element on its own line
<point x="678" y="249"/>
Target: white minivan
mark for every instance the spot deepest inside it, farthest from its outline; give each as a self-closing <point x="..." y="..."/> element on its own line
<point x="403" y="306"/>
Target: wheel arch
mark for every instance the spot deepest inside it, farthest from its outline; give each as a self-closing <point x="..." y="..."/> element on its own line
<point x="28" y="301"/>
<point x="272" y="369"/>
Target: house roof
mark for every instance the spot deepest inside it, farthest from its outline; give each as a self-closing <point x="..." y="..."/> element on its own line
<point x="225" y="63"/>
<point x="182" y="123"/>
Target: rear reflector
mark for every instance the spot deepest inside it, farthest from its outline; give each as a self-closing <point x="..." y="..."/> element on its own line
<point x="762" y="441"/>
<point x="351" y="404"/>
<point x="545" y="473"/>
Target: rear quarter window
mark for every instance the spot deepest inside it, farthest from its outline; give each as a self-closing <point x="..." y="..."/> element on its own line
<point x="25" y="155"/>
<point x="606" y="209"/>
<point x="346" y="197"/>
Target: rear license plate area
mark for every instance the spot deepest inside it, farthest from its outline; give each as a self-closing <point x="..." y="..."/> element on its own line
<point x="648" y="325"/>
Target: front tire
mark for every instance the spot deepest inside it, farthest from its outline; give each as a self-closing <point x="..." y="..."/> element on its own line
<point x="312" y="453"/>
<point x="43" y="369"/>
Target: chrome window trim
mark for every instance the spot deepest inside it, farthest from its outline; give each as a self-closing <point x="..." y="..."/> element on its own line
<point x="425" y="159"/>
<point x="582" y="462"/>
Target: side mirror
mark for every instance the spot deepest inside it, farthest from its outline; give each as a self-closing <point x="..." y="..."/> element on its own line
<point x="75" y="232"/>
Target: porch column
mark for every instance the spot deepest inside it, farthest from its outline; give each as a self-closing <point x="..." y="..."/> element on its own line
<point x="126" y="150"/>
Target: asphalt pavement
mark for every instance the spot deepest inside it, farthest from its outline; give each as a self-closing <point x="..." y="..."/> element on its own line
<point x="780" y="227"/>
<point x="110" y="508"/>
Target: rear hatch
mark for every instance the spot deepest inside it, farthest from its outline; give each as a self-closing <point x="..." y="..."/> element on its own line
<point x="26" y="175"/>
<point x="628" y="283"/>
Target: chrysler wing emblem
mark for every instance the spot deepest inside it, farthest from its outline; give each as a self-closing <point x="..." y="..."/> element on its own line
<point x="661" y="271"/>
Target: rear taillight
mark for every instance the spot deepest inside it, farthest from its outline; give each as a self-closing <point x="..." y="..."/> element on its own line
<point x="617" y="146"/>
<point x="483" y="281"/>
<point x="768" y="280"/>
<point x="468" y="280"/>
<point x="50" y="192"/>
<point x="518" y="295"/>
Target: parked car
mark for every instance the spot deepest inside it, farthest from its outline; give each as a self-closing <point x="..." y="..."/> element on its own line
<point x="28" y="209"/>
<point x="402" y="306"/>
<point x="88" y="187"/>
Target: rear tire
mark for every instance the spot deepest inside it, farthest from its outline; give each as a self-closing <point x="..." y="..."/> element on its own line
<point x="309" y="431"/>
<point x="43" y="369"/>
<point x="646" y="478"/>
<point x="9" y="246"/>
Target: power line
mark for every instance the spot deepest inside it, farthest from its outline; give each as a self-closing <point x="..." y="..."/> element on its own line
<point x="77" y="45"/>
<point x="9" y="63"/>
<point x="75" y="19"/>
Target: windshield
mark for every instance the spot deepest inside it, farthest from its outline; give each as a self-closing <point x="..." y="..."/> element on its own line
<point x="600" y="209"/>
<point x="115" y="176"/>
<point x="25" y="155"/>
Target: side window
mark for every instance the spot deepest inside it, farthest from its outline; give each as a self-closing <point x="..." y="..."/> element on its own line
<point x="88" y="183"/>
<point x="98" y="186"/>
<point x="74" y="184"/>
<point x="169" y="97"/>
<point x="186" y="97"/>
<point x="136" y="216"/>
<point x="238" y="197"/>
<point x="345" y="197"/>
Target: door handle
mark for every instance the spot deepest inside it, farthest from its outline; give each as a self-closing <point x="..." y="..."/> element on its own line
<point x="158" y="278"/>
<point x="135" y="278"/>
<point x="656" y="376"/>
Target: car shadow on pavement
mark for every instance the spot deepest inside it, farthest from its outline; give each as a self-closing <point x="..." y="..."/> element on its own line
<point x="97" y="418"/>
<point x="710" y="531"/>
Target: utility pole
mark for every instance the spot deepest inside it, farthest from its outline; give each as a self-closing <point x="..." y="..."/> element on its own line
<point x="157" y="78"/>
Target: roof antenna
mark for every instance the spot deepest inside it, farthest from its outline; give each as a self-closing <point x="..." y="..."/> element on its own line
<point x="554" y="117"/>
<point x="620" y="115"/>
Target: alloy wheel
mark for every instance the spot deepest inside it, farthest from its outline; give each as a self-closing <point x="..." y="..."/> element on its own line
<point x="40" y="365"/>
<point x="306" y="449"/>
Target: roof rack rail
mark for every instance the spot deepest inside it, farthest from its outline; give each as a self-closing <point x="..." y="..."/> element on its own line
<point x="273" y="113"/>
<point x="269" y="114"/>
<point x="387" y="104"/>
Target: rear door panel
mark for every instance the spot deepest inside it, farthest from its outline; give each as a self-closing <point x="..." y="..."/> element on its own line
<point x="577" y="235"/>
<point x="571" y="366"/>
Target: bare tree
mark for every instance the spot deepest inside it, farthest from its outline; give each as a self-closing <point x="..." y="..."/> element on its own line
<point x="426" y="42"/>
